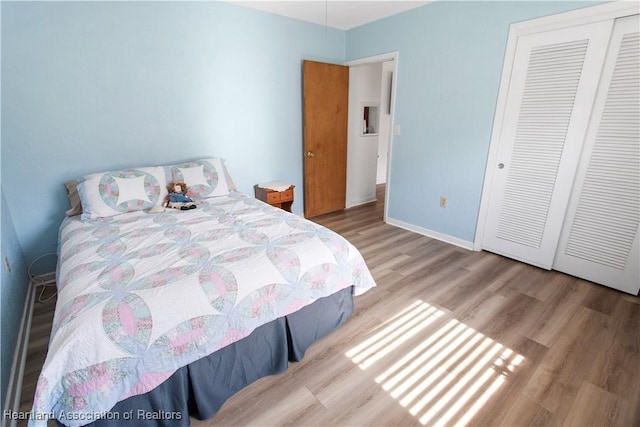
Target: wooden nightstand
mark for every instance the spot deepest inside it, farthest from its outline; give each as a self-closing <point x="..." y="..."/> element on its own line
<point x="280" y="199"/>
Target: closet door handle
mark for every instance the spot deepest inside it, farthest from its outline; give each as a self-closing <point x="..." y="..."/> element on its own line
<point x="500" y="165"/>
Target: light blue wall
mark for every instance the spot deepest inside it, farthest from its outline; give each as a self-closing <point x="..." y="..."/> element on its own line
<point x="90" y="86"/>
<point x="93" y="86"/>
<point x="449" y="68"/>
<point x="13" y="288"/>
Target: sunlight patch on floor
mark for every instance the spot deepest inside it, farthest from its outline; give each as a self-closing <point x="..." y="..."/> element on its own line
<point x="444" y="378"/>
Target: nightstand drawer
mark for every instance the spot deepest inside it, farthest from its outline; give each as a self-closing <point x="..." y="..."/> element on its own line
<point x="279" y="199"/>
<point x="273" y="197"/>
<point x="286" y="195"/>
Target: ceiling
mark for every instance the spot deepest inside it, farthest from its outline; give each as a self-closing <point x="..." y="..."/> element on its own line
<point x="340" y="14"/>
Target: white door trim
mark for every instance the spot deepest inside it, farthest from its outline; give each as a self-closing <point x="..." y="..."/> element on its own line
<point x="384" y="57"/>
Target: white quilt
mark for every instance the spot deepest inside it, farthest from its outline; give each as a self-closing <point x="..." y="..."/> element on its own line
<point x="141" y="295"/>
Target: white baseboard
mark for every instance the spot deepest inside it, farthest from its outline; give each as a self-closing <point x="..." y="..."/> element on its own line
<point x="433" y="234"/>
<point x="354" y="203"/>
<point x="14" y="388"/>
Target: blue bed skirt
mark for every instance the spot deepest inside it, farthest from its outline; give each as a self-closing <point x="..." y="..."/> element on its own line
<point x="201" y="388"/>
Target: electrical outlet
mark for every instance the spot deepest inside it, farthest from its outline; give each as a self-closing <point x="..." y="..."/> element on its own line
<point x="7" y="265"/>
<point x="443" y="202"/>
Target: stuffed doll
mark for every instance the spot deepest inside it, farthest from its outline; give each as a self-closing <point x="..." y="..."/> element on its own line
<point x="178" y="197"/>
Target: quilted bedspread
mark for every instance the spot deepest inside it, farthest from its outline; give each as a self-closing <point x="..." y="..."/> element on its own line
<point x="141" y="295"/>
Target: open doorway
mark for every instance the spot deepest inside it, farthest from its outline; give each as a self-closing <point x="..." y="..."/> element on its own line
<point x="371" y="98"/>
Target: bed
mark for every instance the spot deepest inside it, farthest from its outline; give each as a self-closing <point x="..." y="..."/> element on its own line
<point x="164" y="314"/>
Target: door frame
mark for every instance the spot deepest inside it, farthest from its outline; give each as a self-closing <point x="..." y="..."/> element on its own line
<point x="384" y="57"/>
<point x="554" y="22"/>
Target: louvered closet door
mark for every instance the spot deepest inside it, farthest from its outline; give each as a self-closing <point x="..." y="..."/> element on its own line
<point x="551" y="92"/>
<point x="600" y="239"/>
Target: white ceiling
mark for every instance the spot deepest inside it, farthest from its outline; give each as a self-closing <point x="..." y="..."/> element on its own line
<point x="340" y="14"/>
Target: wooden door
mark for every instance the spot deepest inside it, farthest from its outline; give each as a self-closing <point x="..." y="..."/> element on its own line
<point x="325" y="105"/>
<point x="551" y="90"/>
<point x="599" y="241"/>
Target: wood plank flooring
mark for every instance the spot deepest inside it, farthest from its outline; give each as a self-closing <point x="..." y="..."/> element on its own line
<point x="449" y="336"/>
<point x="41" y="323"/>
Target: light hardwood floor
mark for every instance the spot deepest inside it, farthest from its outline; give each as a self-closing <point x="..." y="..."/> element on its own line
<point x="449" y="336"/>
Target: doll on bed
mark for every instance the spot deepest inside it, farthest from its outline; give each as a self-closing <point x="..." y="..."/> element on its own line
<point x="178" y="197"/>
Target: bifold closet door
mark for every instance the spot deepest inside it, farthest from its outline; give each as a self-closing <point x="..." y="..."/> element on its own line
<point x="600" y="239"/>
<point x="550" y="95"/>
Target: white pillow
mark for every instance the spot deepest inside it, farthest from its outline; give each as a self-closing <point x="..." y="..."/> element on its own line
<point x="113" y="193"/>
<point x="204" y="178"/>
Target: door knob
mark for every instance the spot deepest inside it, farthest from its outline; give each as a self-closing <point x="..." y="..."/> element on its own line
<point x="500" y="165"/>
<point x="310" y="154"/>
